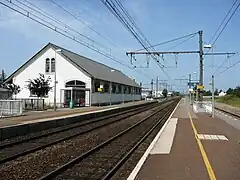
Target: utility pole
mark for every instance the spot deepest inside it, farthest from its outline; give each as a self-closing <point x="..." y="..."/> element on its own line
<point x="189" y="89"/>
<point x="156" y="86"/>
<point x="213" y="96"/>
<point x="201" y="65"/>
<point x="152" y="88"/>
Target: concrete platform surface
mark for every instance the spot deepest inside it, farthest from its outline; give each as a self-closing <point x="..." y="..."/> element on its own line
<point x="193" y="147"/>
<point x="38" y="116"/>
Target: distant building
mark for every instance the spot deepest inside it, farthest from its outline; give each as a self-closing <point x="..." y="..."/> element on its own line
<point x="79" y="79"/>
<point x="146" y="92"/>
<point x="222" y="94"/>
<point x="157" y="94"/>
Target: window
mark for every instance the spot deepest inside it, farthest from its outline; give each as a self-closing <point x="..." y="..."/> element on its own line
<point x="119" y="89"/>
<point x="137" y="90"/>
<point x="47" y="65"/>
<point x="114" y="88"/>
<point x="53" y="65"/>
<point x="106" y="87"/>
<point x="129" y="90"/>
<point x="79" y="84"/>
<point x="124" y="89"/>
<point x="75" y="83"/>
<point x="96" y="85"/>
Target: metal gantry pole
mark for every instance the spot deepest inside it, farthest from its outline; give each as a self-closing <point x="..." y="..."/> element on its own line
<point x="213" y="102"/>
<point x="152" y="87"/>
<point x="156" y="87"/>
<point x="55" y="83"/>
<point x="201" y="65"/>
<point x="110" y="93"/>
<point x="213" y="96"/>
<point x="189" y="89"/>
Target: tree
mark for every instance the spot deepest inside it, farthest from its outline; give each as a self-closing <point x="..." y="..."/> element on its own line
<point x="164" y="92"/>
<point x="237" y="91"/>
<point x="229" y="91"/>
<point x="15" y="89"/>
<point x="39" y="86"/>
<point x="216" y="92"/>
<point x="207" y="93"/>
<point x="2" y="76"/>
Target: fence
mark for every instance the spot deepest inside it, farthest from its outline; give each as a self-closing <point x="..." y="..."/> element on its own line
<point x="10" y="108"/>
<point x="202" y="107"/>
<point x="33" y="104"/>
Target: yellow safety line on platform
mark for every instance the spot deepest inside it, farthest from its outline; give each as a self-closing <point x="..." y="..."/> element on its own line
<point x="203" y="152"/>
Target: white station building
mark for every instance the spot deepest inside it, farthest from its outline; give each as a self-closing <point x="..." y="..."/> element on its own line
<point x="77" y="77"/>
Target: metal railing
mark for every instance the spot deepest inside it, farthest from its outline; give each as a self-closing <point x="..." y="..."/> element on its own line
<point x="10" y="108"/>
<point x="33" y="104"/>
<point x="202" y="107"/>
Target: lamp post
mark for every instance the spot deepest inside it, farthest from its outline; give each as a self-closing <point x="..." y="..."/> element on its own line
<point x="196" y="75"/>
<point x="55" y="80"/>
<point x="209" y="46"/>
<point x="112" y="70"/>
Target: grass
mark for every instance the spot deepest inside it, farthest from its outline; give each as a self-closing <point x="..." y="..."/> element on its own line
<point x="230" y="100"/>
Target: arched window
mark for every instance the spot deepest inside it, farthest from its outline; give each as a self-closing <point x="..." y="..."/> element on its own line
<point x="75" y="83"/>
<point x="47" y="65"/>
<point x="53" y="65"/>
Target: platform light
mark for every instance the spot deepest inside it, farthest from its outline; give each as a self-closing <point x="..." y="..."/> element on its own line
<point x="207" y="46"/>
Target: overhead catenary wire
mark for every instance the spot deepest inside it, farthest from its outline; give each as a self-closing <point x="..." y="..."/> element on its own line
<point x="81" y="21"/>
<point x="213" y="41"/>
<point x="223" y="62"/>
<point x="185" y="40"/>
<point x="169" y="41"/>
<point x="225" y="25"/>
<point x="131" y="20"/>
<point x="229" y="67"/>
<point x="65" y="34"/>
<point x="133" y="29"/>
<point x="215" y="33"/>
<point x="54" y="19"/>
<point x="116" y="12"/>
<point x="68" y="12"/>
<point x="62" y="32"/>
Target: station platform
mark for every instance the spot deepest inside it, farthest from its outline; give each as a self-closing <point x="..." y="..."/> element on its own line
<point x="38" y="121"/>
<point x="39" y="116"/>
<point x="191" y="147"/>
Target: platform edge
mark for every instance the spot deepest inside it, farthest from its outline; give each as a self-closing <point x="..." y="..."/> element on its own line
<point x="135" y="171"/>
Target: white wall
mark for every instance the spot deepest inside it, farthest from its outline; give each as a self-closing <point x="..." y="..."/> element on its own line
<point x="105" y="97"/>
<point x="65" y="71"/>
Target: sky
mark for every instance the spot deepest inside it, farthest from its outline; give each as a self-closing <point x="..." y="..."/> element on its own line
<point x="159" y="20"/>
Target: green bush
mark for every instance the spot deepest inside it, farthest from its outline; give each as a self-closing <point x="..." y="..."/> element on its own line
<point x="231" y="99"/>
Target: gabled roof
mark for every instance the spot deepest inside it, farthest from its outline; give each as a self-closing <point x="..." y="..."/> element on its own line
<point x="95" y="69"/>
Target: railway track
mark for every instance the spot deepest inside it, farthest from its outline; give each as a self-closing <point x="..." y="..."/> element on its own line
<point x="38" y="163"/>
<point x="104" y="160"/>
<point x="31" y="144"/>
<point x="229" y="113"/>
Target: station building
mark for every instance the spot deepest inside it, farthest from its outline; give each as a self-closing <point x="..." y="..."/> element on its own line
<point x="77" y="77"/>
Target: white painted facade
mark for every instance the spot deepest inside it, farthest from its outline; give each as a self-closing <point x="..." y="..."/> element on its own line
<point x="65" y="71"/>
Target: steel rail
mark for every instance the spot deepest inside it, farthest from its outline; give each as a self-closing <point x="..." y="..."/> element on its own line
<point x="28" y="151"/>
<point x="74" y="161"/>
<point x="132" y="150"/>
<point x="230" y="113"/>
<point x="70" y="126"/>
